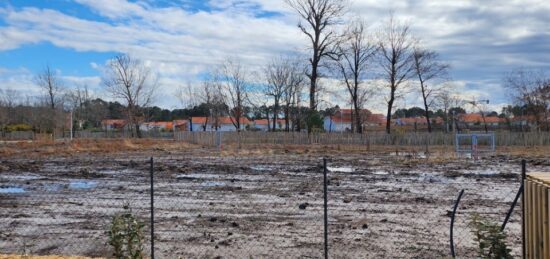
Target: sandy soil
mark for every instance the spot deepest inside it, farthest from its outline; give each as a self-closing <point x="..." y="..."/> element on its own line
<point x="253" y="204"/>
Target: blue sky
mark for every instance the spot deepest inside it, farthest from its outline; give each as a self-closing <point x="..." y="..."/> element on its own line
<point x="183" y="39"/>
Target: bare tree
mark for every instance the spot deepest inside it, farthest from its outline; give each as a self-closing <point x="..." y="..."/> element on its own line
<point x="427" y="68"/>
<point x="9" y="99"/>
<point x="49" y="82"/>
<point x="128" y="80"/>
<point x="233" y="79"/>
<point x="277" y="76"/>
<point x="292" y="94"/>
<point x="355" y="53"/>
<point x="531" y="89"/>
<point x="319" y="17"/>
<point x="186" y="95"/>
<point x="211" y="95"/>
<point x="79" y="100"/>
<point x="51" y="85"/>
<point x="4" y="110"/>
<point x="396" y="44"/>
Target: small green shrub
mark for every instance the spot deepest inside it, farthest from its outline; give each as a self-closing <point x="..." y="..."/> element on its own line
<point x="315" y="121"/>
<point x="126" y="235"/>
<point x="491" y="240"/>
<point x="18" y="127"/>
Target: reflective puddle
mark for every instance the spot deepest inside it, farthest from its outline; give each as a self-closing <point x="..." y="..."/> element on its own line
<point x="11" y="190"/>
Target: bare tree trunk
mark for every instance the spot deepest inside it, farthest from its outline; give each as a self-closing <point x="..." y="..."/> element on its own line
<point x="426" y="108"/>
<point x="390" y="106"/>
<point x="358" y="120"/>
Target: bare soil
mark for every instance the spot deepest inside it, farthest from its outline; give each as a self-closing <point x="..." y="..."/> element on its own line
<point x="253" y="203"/>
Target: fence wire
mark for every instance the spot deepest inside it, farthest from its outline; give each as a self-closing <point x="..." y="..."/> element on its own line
<point x="254" y="205"/>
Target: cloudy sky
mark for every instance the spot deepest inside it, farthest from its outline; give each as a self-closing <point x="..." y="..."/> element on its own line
<point x="182" y="39"/>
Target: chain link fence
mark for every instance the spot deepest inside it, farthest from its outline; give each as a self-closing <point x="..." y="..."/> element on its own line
<point x="254" y="205"/>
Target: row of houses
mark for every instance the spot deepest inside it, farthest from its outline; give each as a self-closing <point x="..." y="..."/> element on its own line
<point x="341" y="121"/>
<point x="198" y="124"/>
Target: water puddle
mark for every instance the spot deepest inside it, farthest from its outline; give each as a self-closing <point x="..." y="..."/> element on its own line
<point x="12" y="190"/>
<point x="414" y="155"/>
<point x="261" y="168"/>
<point x="341" y="169"/>
<point x="191" y="177"/>
<point x="380" y="173"/>
<point x="487" y="172"/>
<point x="82" y="185"/>
<point x="25" y="177"/>
<point x="213" y="184"/>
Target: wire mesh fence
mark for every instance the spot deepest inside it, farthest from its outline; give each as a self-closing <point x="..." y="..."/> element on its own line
<point x="253" y="205"/>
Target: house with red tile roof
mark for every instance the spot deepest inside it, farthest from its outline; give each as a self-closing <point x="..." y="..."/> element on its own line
<point x="157" y="126"/>
<point x="267" y="125"/>
<point x="375" y="120"/>
<point x="108" y="124"/>
<point x="178" y="125"/>
<point x="472" y="119"/>
<point x="343" y="119"/>
<point x="224" y="123"/>
<point x="228" y="123"/>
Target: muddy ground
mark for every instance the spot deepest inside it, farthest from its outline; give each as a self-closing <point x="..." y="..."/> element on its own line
<point x="255" y="205"/>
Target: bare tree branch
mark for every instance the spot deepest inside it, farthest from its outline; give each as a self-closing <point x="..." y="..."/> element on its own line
<point x="396" y="46"/>
<point x="128" y="80"/>
<point x="427" y="67"/>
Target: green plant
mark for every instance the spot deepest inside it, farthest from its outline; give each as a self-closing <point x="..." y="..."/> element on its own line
<point x="491" y="240"/>
<point x="126" y="235"/>
<point x="315" y="121"/>
<point x="18" y="127"/>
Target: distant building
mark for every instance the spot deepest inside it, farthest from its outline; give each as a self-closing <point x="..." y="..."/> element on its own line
<point x="523" y="121"/>
<point x="473" y="119"/>
<point x="343" y="119"/>
<point x="337" y="123"/>
<point x="179" y="125"/>
<point x="217" y="124"/>
<point x="200" y="124"/>
<point x="418" y="121"/>
<point x="262" y="124"/>
<point x="228" y="124"/>
<point x="267" y="125"/>
<point x="157" y="126"/>
<point x="109" y="125"/>
<point x="375" y="120"/>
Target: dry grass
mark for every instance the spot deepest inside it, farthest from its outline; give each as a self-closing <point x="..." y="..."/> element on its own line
<point x="107" y="146"/>
<point x="42" y="257"/>
<point x="104" y="146"/>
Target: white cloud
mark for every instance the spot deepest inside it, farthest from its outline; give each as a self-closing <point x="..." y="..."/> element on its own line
<point x="480" y="38"/>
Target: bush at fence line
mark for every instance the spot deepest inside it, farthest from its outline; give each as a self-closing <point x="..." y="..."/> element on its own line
<point x="126" y="235"/>
<point x="491" y="240"/>
<point x="18" y="127"/>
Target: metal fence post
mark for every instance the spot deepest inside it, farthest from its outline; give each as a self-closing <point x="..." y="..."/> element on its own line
<point x="152" y="211"/>
<point x="523" y="176"/>
<point x="453" y="222"/>
<point x="325" y="205"/>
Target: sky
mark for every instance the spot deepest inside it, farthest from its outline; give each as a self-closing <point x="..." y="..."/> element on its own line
<point x="181" y="40"/>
